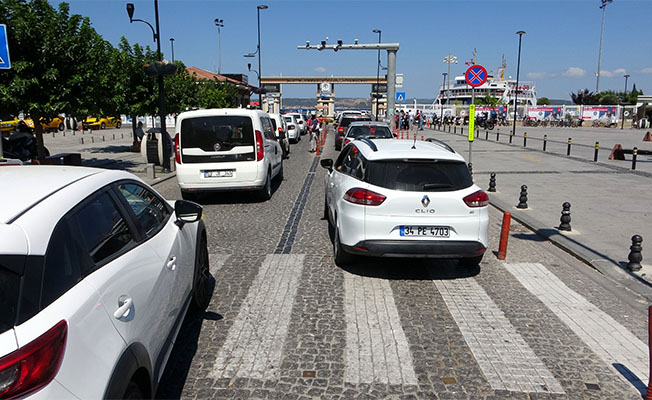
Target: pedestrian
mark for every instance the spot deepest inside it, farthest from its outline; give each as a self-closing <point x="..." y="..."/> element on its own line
<point x="314" y="134"/>
<point x="139" y="131"/>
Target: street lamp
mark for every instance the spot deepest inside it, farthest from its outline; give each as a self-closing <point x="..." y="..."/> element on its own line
<point x="260" y="95"/>
<point x="172" y="44"/>
<point x="449" y="60"/>
<point x="161" y="89"/>
<point x="518" y="72"/>
<point x="379" y="32"/>
<point x="220" y="24"/>
<point x="622" y="122"/>
<point x="604" y="8"/>
<point x="441" y="101"/>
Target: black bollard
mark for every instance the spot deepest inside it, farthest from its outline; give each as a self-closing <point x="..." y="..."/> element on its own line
<point x="103" y="138"/>
<point x="545" y="142"/>
<point x="470" y="169"/>
<point x="498" y="135"/>
<point x="595" y="155"/>
<point x="455" y="129"/>
<point x="92" y="139"/>
<point x="82" y="140"/>
<point x="522" y="200"/>
<point x="486" y="135"/>
<point x="570" y="141"/>
<point x="565" y="217"/>
<point x="524" y="139"/>
<point x="511" y="134"/>
<point x="635" y="256"/>
<point x="492" y="182"/>
<point x="634" y="155"/>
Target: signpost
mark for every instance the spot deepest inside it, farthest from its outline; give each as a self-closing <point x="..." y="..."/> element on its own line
<point x="5" y="63"/>
<point x="475" y="76"/>
<point x="400" y="97"/>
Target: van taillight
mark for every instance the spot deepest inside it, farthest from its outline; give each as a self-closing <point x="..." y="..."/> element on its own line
<point x="477" y="199"/>
<point x="177" y="151"/>
<point x="260" y="151"/>
<point x="340" y="129"/>
<point x="34" y="365"/>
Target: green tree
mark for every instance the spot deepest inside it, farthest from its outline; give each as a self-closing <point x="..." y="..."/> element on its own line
<point x="57" y="59"/>
<point x="214" y="94"/>
<point x="488" y="100"/>
<point x="180" y="90"/>
<point x="609" y="97"/>
<point x="543" y="101"/>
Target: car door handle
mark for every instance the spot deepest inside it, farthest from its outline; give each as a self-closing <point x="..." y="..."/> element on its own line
<point x="172" y="263"/>
<point x="124" y="307"/>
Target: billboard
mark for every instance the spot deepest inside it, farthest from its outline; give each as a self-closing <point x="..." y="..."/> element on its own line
<point x="598" y="112"/>
<point x="540" y="113"/>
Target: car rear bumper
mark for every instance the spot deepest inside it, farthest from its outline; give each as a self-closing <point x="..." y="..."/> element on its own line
<point x="418" y="248"/>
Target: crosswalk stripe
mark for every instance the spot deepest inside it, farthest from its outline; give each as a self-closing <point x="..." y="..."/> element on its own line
<point x="377" y="350"/>
<point x="610" y="340"/>
<point x="255" y="341"/>
<point x="502" y="354"/>
<point x="216" y="262"/>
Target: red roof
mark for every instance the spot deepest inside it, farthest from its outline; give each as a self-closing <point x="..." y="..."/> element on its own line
<point x="203" y="74"/>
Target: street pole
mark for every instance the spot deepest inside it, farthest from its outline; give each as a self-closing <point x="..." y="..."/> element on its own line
<point x="161" y="96"/>
<point x="220" y="24"/>
<point x="391" y="83"/>
<point x="604" y="8"/>
<point x="379" y="32"/>
<point x="441" y="101"/>
<point x="622" y="122"/>
<point x="172" y="44"/>
<point x="518" y="73"/>
<point x="260" y="71"/>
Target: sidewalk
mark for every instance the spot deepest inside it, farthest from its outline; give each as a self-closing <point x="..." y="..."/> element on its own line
<point x="609" y="204"/>
<point x="109" y="148"/>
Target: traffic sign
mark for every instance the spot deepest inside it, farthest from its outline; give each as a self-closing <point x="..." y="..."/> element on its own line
<point x="476" y="75"/>
<point x="471" y="121"/>
<point x="4" y="48"/>
<point x="400" y="97"/>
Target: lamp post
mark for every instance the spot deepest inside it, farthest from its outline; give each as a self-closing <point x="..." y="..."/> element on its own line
<point x="441" y="101"/>
<point x="518" y="73"/>
<point x="161" y="89"/>
<point x="449" y="60"/>
<point x="172" y="45"/>
<point x="220" y="24"/>
<point x="379" y="32"/>
<point x="622" y="122"/>
<point x="604" y="8"/>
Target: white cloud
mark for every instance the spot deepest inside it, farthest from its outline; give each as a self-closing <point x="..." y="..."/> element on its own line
<point x="574" y="72"/>
<point x="540" y="75"/>
<point x="615" y="72"/>
<point x="647" y="71"/>
<point x="320" y="69"/>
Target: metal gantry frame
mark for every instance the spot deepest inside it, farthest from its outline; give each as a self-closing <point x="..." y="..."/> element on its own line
<point x="391" y="48"/>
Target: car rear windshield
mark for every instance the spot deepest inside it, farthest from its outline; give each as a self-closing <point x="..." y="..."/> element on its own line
<point x="205" y="132"/>
<point x="346" y="121"/>
<point x="370" y="131"/>
<point x="419" y="175"/>
<point x="9" y="290"/>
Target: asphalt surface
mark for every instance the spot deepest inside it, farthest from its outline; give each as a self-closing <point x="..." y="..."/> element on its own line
<point x="285" y="322"/>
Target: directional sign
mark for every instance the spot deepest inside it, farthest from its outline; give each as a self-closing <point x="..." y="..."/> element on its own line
<point x="4" y="48"/>
<point x="476" y="75"/>
<point x="400" y="97"/>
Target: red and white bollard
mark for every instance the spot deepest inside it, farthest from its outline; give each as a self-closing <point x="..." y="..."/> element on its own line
<point x="504" y="236"/>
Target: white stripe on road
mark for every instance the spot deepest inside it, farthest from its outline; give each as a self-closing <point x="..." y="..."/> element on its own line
<point x="611" y="341"/>
<point x="216" y="262"/>
<point x="505" y="358"/>
<point x="255" y="341"/>
<point x="376" y="348"/>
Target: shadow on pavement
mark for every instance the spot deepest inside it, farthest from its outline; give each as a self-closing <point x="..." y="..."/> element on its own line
<point x="184" y="350"/>
<point x="235" y="197"/>
<point x="631" y="378"/>
<point x="111" y="149"/>
<point x="109" y="163"/>
<point x="410" y="268"/>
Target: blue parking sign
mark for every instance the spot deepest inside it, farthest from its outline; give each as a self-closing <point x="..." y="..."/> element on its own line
<point x="4" y="48"/>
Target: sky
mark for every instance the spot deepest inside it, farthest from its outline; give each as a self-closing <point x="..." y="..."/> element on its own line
<point x="559" y="50"/>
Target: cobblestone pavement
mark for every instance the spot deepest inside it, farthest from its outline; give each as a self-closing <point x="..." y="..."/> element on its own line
<point x="286" y="323"/>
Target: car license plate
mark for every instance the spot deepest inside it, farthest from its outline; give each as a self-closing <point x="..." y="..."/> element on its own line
<point x="428" y="231"/>
<point x="222" y="173"/>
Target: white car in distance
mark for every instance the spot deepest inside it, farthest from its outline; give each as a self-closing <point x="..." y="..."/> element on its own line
<point x="397" y="198"/>
<point x="294" y="130"/>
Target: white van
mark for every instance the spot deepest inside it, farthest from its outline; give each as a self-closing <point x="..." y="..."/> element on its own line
<point x="226" y="149"/>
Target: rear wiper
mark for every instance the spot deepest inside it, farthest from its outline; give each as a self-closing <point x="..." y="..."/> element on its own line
<point x="437" y="186"/>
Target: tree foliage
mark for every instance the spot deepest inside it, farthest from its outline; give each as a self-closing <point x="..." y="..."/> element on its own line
<point x="584" y="97"/>
<point x="488" y="100"/>
<point x="543" y="101"/>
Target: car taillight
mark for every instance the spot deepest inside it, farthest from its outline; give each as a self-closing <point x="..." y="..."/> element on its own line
<point x="340" y="129"/>
<point x="364" y="197"/>
<point x="260" y="151"/>
<point x="280" y="129"/>
<point x="34" y="365"/>
<point x="477" y="199"/>
<point x="177" y="152"/>
<point x="347" y="141"/>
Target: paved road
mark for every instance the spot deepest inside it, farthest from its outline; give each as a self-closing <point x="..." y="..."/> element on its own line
<point x="286" y="323"/>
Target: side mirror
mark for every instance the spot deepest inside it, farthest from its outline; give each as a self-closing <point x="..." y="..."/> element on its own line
<point x="328" y="164"/>
<point x="187" y="212"/>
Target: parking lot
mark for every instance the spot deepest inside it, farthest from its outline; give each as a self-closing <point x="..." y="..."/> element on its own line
<point x="286" y="322"/>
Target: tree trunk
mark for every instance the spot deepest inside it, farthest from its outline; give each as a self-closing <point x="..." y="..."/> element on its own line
<point x="38" y="129"/>
<point x="136" y="143"/>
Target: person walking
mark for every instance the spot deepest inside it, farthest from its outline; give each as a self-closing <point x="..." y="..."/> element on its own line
<point x="314" y="134"/>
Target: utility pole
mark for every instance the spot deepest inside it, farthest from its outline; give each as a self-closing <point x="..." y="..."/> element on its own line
<point x="604" y="8"/>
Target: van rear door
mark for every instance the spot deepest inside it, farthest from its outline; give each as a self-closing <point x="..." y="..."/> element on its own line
<point x="217" y="138"/>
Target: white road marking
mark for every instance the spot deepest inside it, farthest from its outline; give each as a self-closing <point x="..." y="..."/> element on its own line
<point x="216" y="262"/>
<point x="611" y="341"/>
<point x="255" y="341"/>
<point x="502" y="354"/>
<point x="377" y="350"/>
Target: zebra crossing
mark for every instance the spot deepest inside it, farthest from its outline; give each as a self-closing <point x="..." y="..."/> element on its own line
<point x="376" y="349"/>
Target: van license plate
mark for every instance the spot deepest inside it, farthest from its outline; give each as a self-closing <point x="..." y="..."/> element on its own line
<point x="223" y="173"/>
<point x="428" y="231"/>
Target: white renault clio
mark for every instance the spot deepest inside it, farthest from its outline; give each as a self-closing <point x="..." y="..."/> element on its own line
<point x="226" y="149"/>
<point x="96" y="274"/>
<point x="401" y="198"/>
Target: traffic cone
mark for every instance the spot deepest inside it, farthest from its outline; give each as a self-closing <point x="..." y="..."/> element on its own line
<point x="647" y="137"/>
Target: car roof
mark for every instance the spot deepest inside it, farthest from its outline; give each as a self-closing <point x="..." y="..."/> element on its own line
<point x="221" y="111"/>
<point x="402" y="149"/>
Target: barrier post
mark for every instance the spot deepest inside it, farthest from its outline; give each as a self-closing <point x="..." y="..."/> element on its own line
<point x="504" y="236"/>
<point x="634" y="155"/>
<point x="545" y="142"/>
<point x="570" y="141"/>
<point x="595" y="155"/>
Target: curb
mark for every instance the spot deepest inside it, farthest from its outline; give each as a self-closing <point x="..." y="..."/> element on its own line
<point x="161" y="180"/>
<point x="590" y="257"/>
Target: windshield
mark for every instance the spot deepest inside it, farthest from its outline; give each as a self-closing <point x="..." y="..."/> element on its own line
<point x="419" y="175"/>
<point x="205" y="132"/>
<point x="369" y="131"/>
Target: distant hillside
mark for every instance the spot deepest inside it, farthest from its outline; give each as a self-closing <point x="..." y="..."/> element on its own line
<point x="340" y="103"/>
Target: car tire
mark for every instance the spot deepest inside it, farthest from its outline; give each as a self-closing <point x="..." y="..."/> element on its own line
<point x="61" y="127"/>
<point x="266" y="191"/>
<point x="118" y="125"/>
<point x="102" y="125"/>
<point x="201" y="283"/>
<point x="471" y="261"/>
<point x="133" y="392"/>
<point x="342" y="258"/>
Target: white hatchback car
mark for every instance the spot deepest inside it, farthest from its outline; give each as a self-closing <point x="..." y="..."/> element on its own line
<point x="404" y="199"/>
<point x="226" y="149"/>
<point x="303" y="126"/>
<point x="281" y="131"/>
<point x="97" y="272"/>
<point x="294" y="130"/>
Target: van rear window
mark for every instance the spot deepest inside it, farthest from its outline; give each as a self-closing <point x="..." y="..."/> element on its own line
<point x="206" y="132"/>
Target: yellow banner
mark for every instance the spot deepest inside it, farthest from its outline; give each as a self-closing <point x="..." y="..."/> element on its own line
<point x="471" y="122"/>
